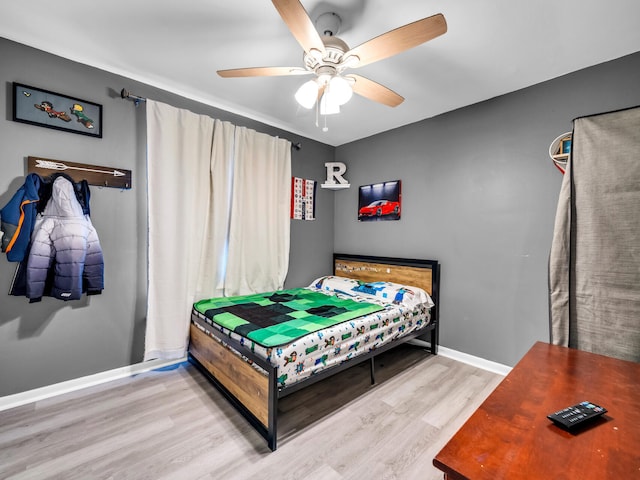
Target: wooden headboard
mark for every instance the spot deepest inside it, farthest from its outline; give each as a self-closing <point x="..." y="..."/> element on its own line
<point x="424" y="274"/>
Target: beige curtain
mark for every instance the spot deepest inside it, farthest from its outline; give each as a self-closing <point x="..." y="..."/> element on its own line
<point x="215" y="210"/>
<point x="258" y="256"/>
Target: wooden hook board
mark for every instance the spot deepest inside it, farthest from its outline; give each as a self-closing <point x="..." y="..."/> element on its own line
<point x="93" y="174"/>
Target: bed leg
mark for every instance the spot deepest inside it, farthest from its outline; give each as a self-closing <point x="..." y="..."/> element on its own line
<point x="431" y="345"/>
<point x="434" y="340"/>
<point x="272" y="428"/>
<point x="372" y="370"/>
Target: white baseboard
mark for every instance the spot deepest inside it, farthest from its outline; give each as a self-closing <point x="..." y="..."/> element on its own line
<point x="465" y="358"/>
<point x="488" y="365"/>
<point x="37" y="394"/>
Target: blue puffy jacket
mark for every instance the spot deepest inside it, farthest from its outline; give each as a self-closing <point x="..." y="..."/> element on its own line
<point x="65" y="245"/>
<point x="17" y="219"/>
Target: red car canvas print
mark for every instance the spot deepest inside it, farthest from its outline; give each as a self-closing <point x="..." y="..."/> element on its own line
<point x="379" y="208"/>
<point x="380" y="201"/>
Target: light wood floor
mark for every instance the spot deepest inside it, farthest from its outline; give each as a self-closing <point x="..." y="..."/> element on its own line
<point x="173" y="424"/>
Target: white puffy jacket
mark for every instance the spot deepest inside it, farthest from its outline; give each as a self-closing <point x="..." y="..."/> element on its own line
<point x="65" y="250"/>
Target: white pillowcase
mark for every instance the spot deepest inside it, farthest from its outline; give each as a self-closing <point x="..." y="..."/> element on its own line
<point x="393" y="292"/>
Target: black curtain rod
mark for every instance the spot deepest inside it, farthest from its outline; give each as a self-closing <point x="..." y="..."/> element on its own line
<point x="124" y="93"/>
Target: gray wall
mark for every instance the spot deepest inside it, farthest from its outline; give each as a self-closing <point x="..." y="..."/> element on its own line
<point x="53" y="341"/>
<point x="479" y="194"/>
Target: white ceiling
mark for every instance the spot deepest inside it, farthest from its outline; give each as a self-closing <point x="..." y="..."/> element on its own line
<point x="491" y="48"/>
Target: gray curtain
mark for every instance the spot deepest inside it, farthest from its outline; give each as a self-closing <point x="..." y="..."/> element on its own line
<point x="594" y="265"/>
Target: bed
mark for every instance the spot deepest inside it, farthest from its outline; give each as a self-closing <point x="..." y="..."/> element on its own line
<point x="369" y="305"/>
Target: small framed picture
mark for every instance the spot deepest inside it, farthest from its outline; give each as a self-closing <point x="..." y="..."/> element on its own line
<point x="380" y="201"/>
<point x="43" y="108"/>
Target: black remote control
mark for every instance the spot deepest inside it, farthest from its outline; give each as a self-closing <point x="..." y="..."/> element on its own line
<point x="570" y="417"/>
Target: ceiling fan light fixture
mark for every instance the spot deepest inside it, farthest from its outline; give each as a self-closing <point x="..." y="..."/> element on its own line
<point x="328" y="57"/>
<point x="307" y="94"/>
<point x="340" y="90"/>
<point x="328" y="105"/>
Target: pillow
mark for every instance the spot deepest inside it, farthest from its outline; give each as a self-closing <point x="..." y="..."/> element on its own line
<point x="392" y="292"/>
<point x="335" y="284"/>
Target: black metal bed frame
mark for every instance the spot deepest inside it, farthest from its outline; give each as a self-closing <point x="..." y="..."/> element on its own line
<point x="270" y="432"/>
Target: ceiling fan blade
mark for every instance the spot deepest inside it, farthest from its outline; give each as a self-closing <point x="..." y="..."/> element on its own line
<point x="399" y="40"/>
<point x="263" y="72"/>
<point x="301" y="26"/>
<point x="374" y="91"/>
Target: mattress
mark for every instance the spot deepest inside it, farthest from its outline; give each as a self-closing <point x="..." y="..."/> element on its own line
<point x="400" y="310"/>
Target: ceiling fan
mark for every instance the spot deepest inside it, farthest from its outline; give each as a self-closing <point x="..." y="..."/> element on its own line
<point x="328" y="57"/>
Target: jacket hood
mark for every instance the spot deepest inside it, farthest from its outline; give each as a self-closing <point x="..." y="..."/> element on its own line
<point x="31" y="186"/>
<point x="63" y="201"/>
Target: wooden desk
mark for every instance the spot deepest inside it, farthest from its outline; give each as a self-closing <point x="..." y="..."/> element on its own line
<point x="510" y="437"/>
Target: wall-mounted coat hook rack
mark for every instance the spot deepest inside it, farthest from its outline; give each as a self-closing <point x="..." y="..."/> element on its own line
<point x="93" y="174"/>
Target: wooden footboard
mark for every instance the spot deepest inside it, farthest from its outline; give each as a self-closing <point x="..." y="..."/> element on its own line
<point x="243" y="381"/>
<point x="253" y="393"/>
